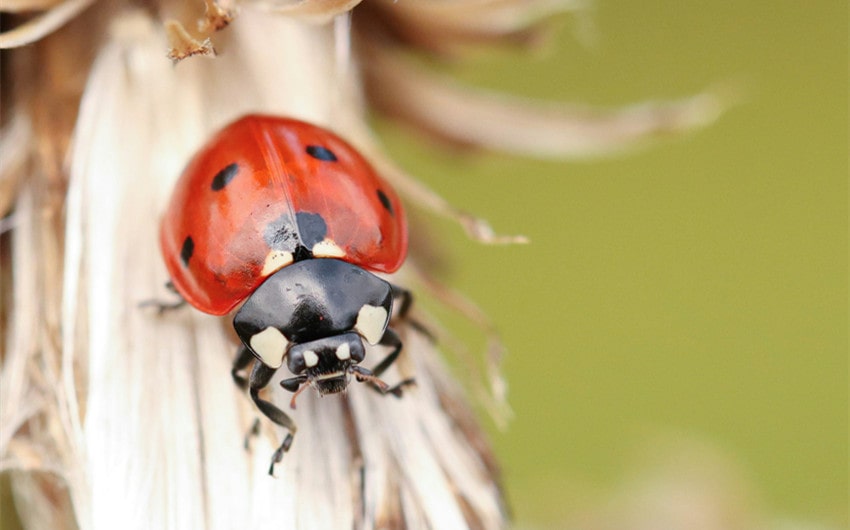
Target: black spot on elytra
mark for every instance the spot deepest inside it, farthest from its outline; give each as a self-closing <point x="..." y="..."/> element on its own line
<point x="187" y="250"/>
<point x="385" y="201"/>
<point x="311" y="227"/>
<point x="321" y="153"/>
<point x="302" y="253"/>
<point x="281" y="235"/>
<point x="223" y="177"/>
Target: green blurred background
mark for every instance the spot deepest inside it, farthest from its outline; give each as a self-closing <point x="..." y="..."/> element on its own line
<point x="694" y="289"/>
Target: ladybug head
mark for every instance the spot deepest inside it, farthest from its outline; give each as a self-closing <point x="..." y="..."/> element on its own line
<point x="315" y="314"/>
<point x="325" y="363"/>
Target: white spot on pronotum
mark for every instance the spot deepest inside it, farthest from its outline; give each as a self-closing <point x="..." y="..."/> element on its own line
<point x="327" y="249"/>
<point x="310" y="358"/>
<point x="371" y="323"/>
<point x="270" y="345"/>
<point x="343" y="351"/>
<point x="275" y="260"/>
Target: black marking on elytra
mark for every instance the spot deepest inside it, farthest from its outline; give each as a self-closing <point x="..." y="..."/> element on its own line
<point x="385" y="201"/>
<point x="281" y="235"/>
<point x="311" y="227"/>
<point x="301" y="253"/>
<point x="223" y="177"/>
<point x="187" y="250"/>
<point x="321" y="153"/>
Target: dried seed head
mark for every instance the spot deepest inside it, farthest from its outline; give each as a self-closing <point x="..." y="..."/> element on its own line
<point x="134" y="415"/>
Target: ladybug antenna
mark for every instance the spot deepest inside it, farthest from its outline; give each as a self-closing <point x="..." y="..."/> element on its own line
<point x="304" y="386"/>
<point x="362" y="374"/>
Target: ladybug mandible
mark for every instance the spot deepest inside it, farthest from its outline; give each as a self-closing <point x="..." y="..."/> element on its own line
<point x="288" y="219"/>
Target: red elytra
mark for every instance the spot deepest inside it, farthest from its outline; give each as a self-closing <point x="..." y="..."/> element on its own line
<point x="265" y="190"/>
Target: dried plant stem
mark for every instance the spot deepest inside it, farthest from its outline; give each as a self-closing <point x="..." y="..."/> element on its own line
<point x="475" y="117"/>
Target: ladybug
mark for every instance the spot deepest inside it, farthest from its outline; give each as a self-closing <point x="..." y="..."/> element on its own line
<point x="291" y="222"/>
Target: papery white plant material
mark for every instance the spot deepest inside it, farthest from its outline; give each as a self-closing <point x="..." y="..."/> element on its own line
<point x="156" y="440"/>
<point x="20" y="6"/>
<point x="183" y="45"/>
<point x="451" y="28"/>
<point x="318" y="11"/>
<point x="476" y="117"/>
<point x="475" y="227"/>
<point x="43" y="24"/>
<point x="32" y="397"/>
<point x="15" y="141"/>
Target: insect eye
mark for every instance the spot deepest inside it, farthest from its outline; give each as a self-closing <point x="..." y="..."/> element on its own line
<point x="295" y="362"/>
<point x="301" y="358"/>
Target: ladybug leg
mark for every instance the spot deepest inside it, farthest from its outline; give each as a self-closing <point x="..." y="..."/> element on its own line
<point x="391" y="339"/>
<point x="243" y="359"/>
<point x="252" y="432"/>
<point x="260" y="377"/>
<point x="405" y="299"/>
<point x="162" y="307"/>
